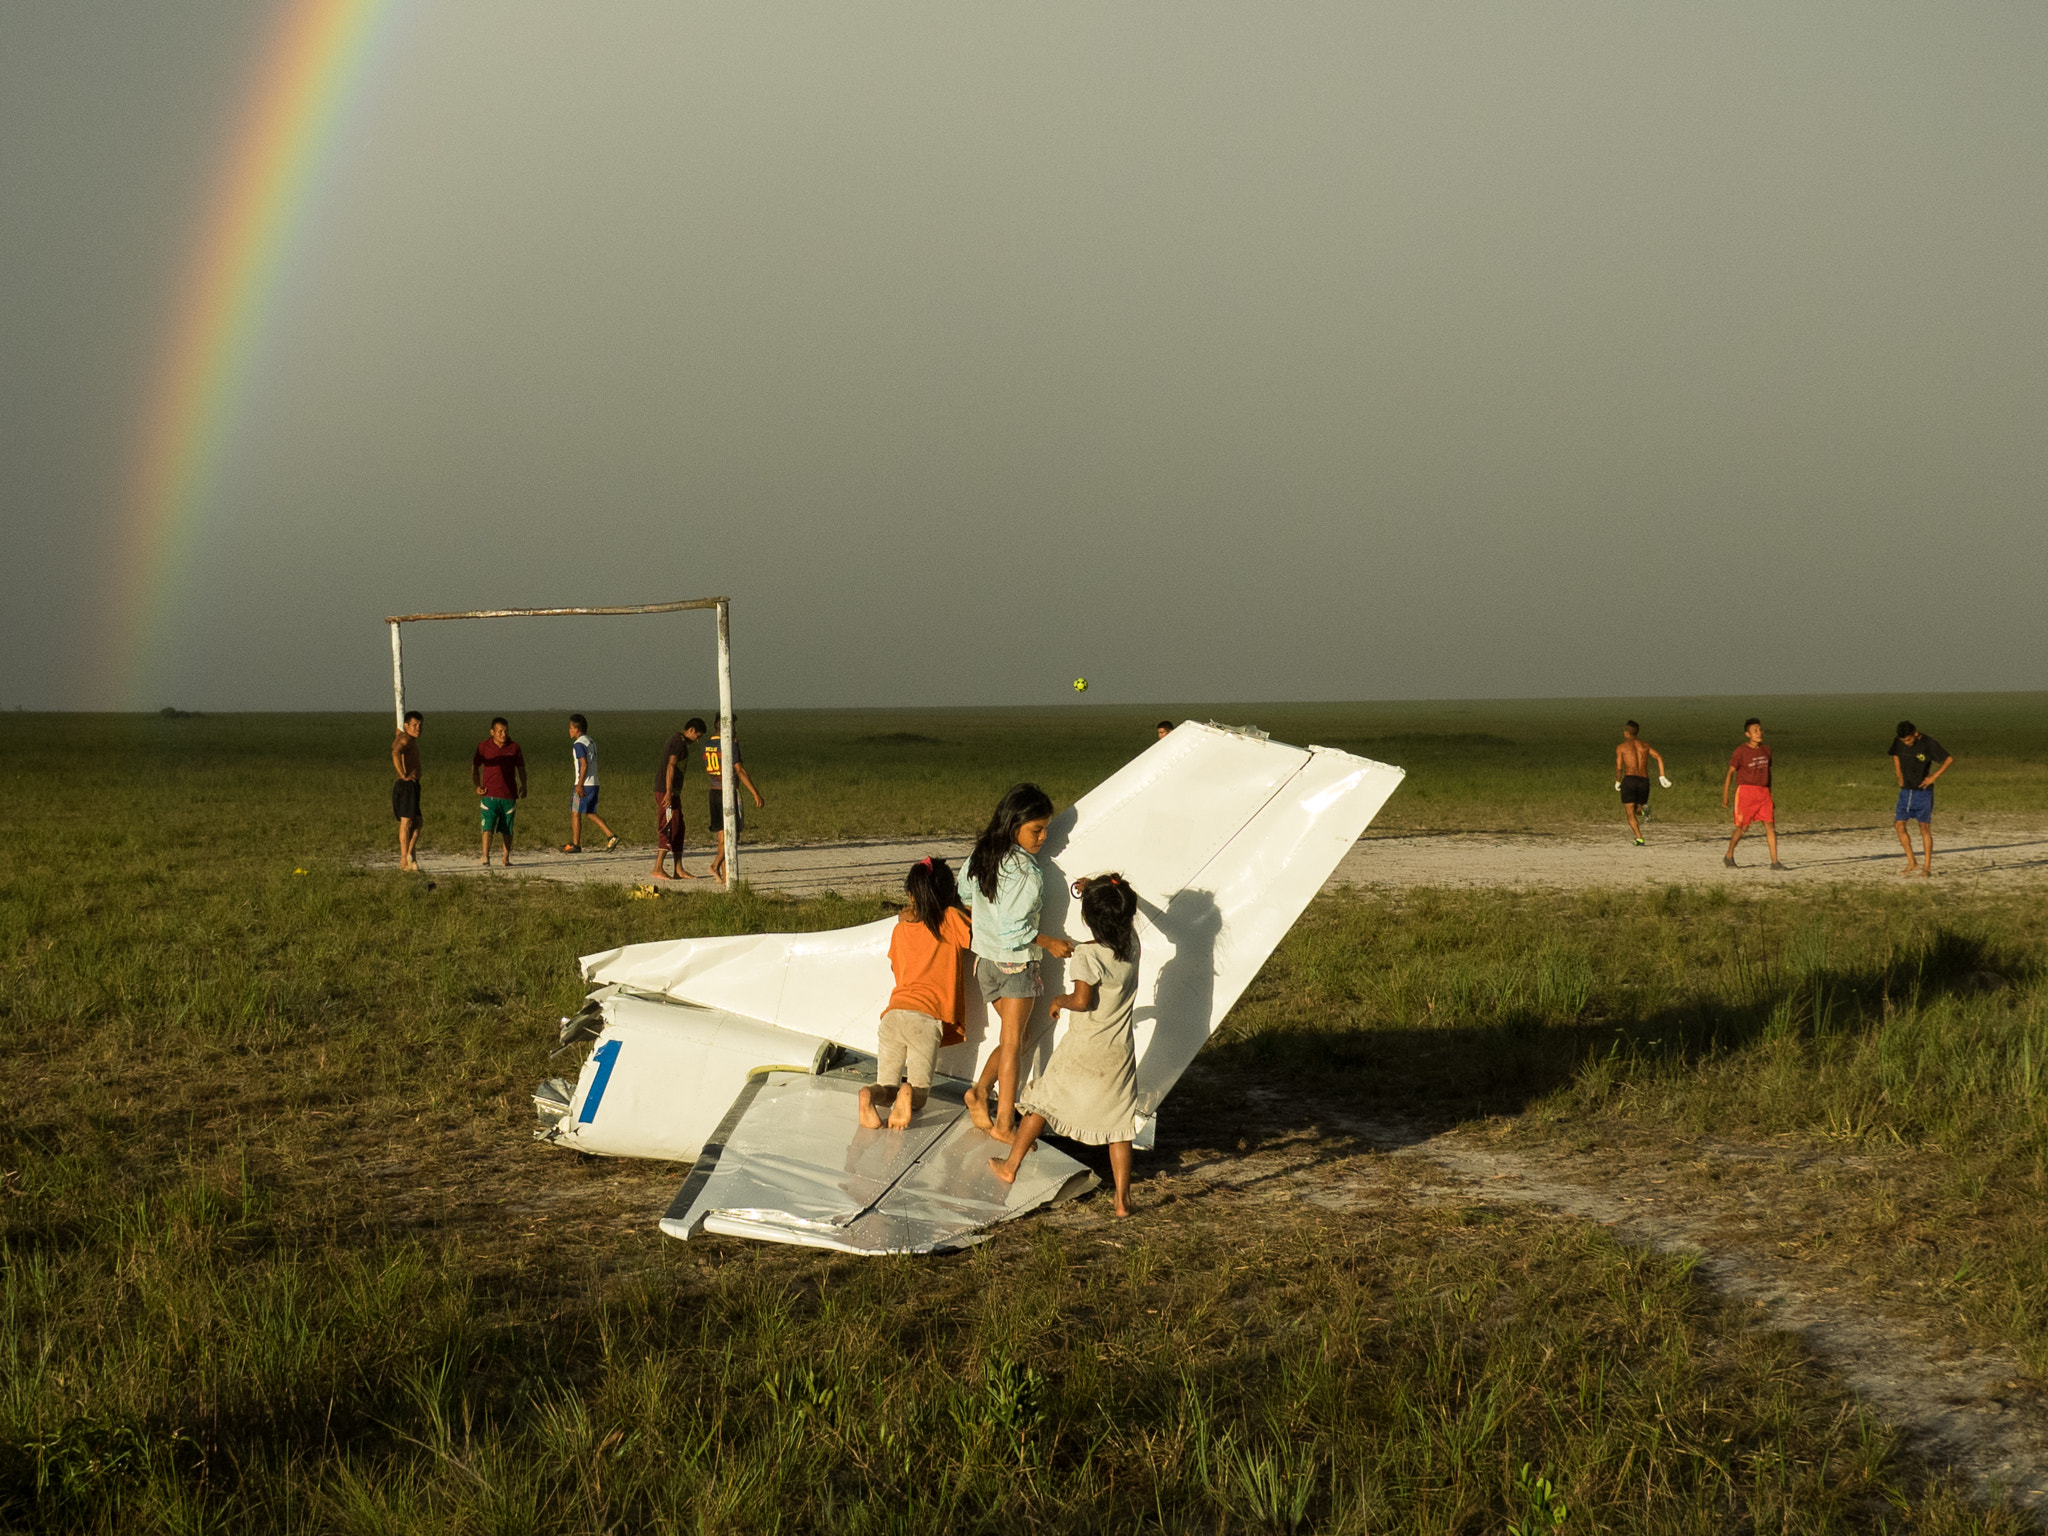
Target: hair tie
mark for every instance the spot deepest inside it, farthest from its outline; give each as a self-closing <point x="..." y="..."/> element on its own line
<point x="926" y="861"/>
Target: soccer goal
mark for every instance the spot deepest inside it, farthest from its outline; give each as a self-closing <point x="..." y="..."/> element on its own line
<point x="723" y="606"/>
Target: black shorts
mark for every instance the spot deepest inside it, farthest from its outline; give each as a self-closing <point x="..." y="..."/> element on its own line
<point x="1635" y="789"/>
<point x="405" y="801"/>
<point x="718" y="811"/>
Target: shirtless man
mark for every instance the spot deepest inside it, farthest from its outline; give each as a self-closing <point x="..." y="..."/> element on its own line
<point x="405" y="789"/>
<point x="1632" y="775"/>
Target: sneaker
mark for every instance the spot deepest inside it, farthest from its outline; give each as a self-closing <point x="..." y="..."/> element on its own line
<point x="1728" y="859"/>
<point x="1776" y="865"/>
<point x="1639" y="842"/>
<point x="608" y="847"/>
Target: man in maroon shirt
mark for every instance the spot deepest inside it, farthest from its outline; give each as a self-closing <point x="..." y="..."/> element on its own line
<point x="498" y="770"/>
<point x="1749" y="768"/>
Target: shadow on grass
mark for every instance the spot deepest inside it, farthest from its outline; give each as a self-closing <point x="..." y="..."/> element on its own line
<point x="1428" y="1078"/>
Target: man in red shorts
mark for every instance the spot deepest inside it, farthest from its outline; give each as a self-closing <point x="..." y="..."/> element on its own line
<point x="1749" y="769"/>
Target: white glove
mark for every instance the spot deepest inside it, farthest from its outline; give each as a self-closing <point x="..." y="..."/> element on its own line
<point x="1617" y="786"/>
<point x="1664" y="781"/>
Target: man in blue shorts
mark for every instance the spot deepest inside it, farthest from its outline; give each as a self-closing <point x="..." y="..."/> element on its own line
<point x="1918" y="761"/>
<point x="583" y="793"/>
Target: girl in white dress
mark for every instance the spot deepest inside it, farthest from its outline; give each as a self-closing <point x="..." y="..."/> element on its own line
<point x="1089" y="1090"/>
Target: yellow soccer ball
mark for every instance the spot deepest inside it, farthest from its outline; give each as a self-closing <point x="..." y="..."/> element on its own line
<point x="1080" y="685"/>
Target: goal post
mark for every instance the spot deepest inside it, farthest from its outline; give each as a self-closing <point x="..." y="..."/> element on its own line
<point x="729" y="764"/>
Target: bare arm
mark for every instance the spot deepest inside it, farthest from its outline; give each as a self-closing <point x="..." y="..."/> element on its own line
<point x="476" y="774"/>
<point x="1727" y="779"/>
<point x="1081" y="999"/>
<point x="748" y="780"/>
<point x="1058" y="948"/>
<point x="1898" y="772"/>
<point x="1660" y="762"/>
<point x="398" y="759"/>
<point x="1928" y="782"/>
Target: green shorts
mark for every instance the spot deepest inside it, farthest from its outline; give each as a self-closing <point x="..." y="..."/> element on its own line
<point x="496" y="814"/>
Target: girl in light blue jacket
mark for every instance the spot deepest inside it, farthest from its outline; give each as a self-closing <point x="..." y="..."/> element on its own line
<point x="1004" y="892"/>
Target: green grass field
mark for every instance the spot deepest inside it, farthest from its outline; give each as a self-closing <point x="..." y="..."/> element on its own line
<point x="278" y="1253"/>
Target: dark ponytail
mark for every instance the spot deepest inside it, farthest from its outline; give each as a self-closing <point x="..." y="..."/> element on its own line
<point x="932" y="893"/>
<point x="1110" y="909"/>
<point x="1021" y="803"/>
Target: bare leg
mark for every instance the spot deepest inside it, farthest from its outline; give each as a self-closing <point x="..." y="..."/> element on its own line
<point x="508" y="848"/>
<point x="485" y="856"/>
<point x="408" y="843"/>
<point x="1906" y="842"/>
<point x="867" y="1097"/>
<point x="1120" y="1174"/>
<point x="717" y="870"/>
<point x="1771" y="837"/>
<point x="976" y="1097"/>
<point x="1927" y="843"/>
<point x="1005" y="1168"/>
<point x="660" y="847"/>
<point x="607" y="831"/>
<point x="907" y="1101"/>
<point x="1635" y="829"/>
<point x="1015" y="1012"/>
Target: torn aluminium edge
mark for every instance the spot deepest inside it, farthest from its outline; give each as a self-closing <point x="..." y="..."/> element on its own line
<point x="738" y="1052"/>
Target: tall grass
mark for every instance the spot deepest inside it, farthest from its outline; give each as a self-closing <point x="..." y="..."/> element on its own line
<point x="276" y="1252"/>
<point x="1906" y="1025"/>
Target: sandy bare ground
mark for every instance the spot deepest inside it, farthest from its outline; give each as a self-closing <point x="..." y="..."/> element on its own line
<point x="1983" y="853"/>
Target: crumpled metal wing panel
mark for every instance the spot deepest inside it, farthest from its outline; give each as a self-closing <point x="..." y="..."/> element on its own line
<point x="794" y="1166"/>
<point x="663" y="1074"/>
<point x="1226" y="836"/>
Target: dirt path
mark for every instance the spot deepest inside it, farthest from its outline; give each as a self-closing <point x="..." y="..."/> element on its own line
<point x="1971" y="1409"/>
<point x="1980" y="854"/>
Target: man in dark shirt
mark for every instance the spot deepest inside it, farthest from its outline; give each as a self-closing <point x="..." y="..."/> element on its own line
<point x="498" y="770"/>
<point x="1749" y="769"/>
<point x="1918" y="761"/>
<point x="669" y="769"/>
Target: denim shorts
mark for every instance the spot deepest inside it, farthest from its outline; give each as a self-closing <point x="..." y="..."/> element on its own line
<point x="1001" y="981"/>
<point x="1915" y="805"/>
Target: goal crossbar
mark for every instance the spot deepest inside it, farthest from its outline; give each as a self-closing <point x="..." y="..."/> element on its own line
<point x="729" y="778"/>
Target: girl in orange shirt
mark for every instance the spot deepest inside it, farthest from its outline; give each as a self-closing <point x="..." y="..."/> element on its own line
<point x="931" y="944"/>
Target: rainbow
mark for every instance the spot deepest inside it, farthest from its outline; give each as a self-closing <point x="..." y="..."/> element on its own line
<point x="307" y="73"/>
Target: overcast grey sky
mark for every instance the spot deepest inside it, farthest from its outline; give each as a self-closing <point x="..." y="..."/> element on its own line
<point x="1214" y="351"/>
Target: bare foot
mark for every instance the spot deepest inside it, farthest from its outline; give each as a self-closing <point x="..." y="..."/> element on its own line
<point x="1000" y="1167"/>
<point x="485" y="860"/>
<point x="1006" y="1137"/>
<point x="683" y="874"/>
<point x="1122" y="1209"/>
<point x="868" y="1117"/>
<point x="977" y="1110"/>
<point x="1926" y="872"/>
<point x="899" y="1117"/>
<point x="1911" y="868"/>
